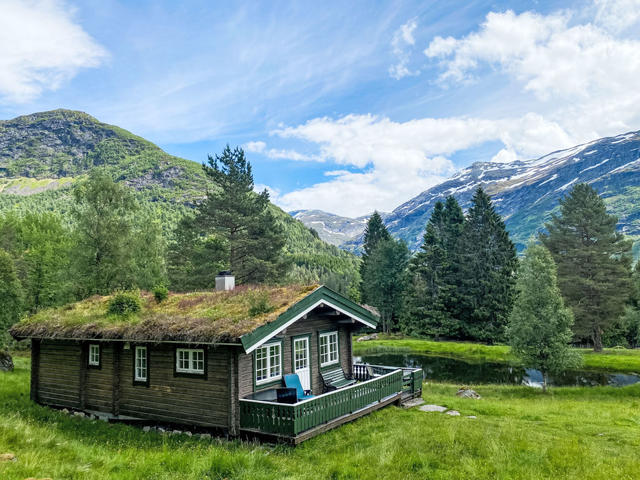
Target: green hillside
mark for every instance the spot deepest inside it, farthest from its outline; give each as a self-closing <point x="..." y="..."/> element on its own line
<point x="43" y="155"/>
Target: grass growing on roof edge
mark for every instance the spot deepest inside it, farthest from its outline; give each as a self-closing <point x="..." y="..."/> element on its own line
<point x="615" y="359"/>
<point x="582" y="433"/>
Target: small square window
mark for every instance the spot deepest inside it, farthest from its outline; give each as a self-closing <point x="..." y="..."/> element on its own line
<point x="268" y="366"/>
<point x="190" y="360"/>
<point x="328" y="348"/>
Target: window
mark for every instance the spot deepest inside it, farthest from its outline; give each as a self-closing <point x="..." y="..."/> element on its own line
<point x="140" y="373"/>
<point x="328" y="348"/>
<point x="94" y="355"/>
<point x="190" y="360"/>
<point x="268" y="363"/>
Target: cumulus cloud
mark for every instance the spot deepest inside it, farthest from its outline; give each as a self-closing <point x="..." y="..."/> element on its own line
<point x="401" y="159"/>
<point x="401" y="44"/>
<point x="41" y="47"/>
<point x="255" y="147"/>
<point x="617" y="15"/>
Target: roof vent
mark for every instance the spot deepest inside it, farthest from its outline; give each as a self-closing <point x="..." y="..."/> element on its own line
<point x="225" y="281"/>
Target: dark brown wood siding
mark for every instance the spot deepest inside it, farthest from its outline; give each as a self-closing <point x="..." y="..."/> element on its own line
<point x="177" y="399"/>
<point x="313" y="325"/>
<point x="59" y="374"/>
<point x="99" y="387"/>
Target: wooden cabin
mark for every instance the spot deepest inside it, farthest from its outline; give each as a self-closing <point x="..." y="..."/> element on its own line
<point x="213" y="360"/>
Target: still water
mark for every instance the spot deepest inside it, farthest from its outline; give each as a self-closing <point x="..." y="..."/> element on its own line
<point x="444" y="369"/>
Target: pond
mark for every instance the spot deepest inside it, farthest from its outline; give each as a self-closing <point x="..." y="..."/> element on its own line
<point x="445" y="369"/>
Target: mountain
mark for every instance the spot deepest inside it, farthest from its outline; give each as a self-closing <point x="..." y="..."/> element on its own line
<point x="332" y="228"/>
<point x="525" y="193"/>
<point x="43" y="155"/>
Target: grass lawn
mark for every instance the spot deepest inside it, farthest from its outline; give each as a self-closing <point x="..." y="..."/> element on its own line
<point x="520" y="433"/>
<point x="618" y="359"/>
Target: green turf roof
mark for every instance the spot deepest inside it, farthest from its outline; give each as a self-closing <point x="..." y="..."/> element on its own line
<point x="207" y="317"/>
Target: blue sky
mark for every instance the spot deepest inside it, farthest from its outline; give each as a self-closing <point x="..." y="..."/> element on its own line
<point x="341" y="106"/>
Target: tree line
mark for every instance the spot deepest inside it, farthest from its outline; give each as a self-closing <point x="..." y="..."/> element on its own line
<point x="115" y="242"/>
<point x="466" y="282"/>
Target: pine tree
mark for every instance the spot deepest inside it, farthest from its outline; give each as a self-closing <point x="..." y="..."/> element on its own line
<point x="11" y="297"/>
<point x="487" y="272"/>
<point x="235" y="223"/>
<point x="374" y="233"/>
<point x="385" y="278"/>
<point x="593" y="259"/>
<point x="539" y="330"/>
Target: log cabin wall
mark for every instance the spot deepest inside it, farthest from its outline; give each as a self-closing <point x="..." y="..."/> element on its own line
<point x="59" y="374"/>
<point x="314" y="324"/>
<point x="177" y="399"/>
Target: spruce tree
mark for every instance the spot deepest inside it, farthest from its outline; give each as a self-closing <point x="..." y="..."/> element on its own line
<point x="594" y="262"/>
<point x="235" y="223"/>
<point x="487" y="272"/>
<point x="384" y="280"/>
<point x="539" y="330"/>
<point x="374" y="233"/>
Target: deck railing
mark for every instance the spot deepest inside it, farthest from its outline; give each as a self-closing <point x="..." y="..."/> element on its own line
<point x="411" y="377"/>
<point x="290" y="420"/>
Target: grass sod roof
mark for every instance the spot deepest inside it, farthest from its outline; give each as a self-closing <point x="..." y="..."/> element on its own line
<point x="207" y="316"/>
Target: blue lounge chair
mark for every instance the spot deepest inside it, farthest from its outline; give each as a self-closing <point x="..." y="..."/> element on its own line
<point x="293" y="381"/>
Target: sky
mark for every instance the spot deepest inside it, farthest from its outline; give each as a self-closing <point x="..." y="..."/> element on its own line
<point x="346" y="107"/>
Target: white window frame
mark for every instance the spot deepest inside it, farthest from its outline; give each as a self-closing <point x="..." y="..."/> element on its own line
<point x="94" y="355"/>
<point x="192" y="360"/>
<point x="268" y="355"/>
<point x="330" y="360"/>
<point x="138" y="367"/>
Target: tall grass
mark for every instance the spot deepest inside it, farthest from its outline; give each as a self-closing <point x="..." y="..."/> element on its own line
<point x="519" y="433"/>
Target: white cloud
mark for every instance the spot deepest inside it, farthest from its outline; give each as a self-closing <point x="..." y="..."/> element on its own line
<point x="41" y="47"/>
<point x="617" y="15"/>
<point x="401" y="46"/>
<point x="401" y="159"/>
<point x="255" y="147"/>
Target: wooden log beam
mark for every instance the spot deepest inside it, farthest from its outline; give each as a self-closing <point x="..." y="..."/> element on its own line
<point x="35" y="369"/>
<point x="115" y="400"/>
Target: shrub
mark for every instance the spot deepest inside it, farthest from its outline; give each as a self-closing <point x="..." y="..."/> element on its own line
<point x="124" y="303"/>
<point x="160" y="293"/>
<point x="259" y="305"/>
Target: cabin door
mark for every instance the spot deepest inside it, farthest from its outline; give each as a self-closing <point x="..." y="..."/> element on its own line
<point x="301" y="361"/>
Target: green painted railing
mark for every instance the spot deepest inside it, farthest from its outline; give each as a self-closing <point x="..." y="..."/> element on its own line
<point x="411" y="377"/>
<point x="290" y="420"/>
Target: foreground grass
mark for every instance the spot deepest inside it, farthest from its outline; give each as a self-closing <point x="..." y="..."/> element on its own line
<point x="622" y="360"/>
<point x="586" y="433"/>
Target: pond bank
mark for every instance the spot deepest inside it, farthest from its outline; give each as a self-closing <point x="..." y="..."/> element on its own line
<point x="619" y="360"/>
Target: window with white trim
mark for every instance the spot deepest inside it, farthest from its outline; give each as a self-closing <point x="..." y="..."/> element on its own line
<point x="141" y="364"/>
<point x="328" y="348"/>
<point x="190" y="360"/>
<point x="268" y="363"/>
<point x="94" y="355"/>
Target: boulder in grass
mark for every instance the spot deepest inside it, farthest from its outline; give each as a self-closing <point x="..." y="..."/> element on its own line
<point x="467" y="393"/>
<point x="453" y="413"/>
<point x="6" y="362"/>
<point x="7" y="457"/>
<point x="432" y="408"/>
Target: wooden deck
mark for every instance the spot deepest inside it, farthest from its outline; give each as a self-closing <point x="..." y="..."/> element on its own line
<point x="294" y="423"/>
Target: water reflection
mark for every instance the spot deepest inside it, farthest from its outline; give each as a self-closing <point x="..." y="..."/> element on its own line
<point x="444" y="369"/>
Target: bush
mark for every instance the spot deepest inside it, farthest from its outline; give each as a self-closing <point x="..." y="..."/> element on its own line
<point x="259" y="305"/>
<point x="160" y="293"/>
<point x="124" y="303"/>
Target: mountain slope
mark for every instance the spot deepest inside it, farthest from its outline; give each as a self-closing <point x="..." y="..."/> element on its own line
<point x="332" y="228"/>
<point x="525" y="193"/>
<point x="42" y="156"/>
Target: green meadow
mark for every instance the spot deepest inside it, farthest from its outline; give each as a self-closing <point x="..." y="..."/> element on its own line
<point x="519" y="433"/>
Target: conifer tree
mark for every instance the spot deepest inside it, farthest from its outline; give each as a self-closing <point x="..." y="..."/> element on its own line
<point x="10" y="297"/>
<point x="385" y="278"/>
<point x="374" y="233"/>
<point x="539" y="330"/>
<point x="236" y="223"/>
<point x="487" y="272"/>
<point x="593" y="259"/>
